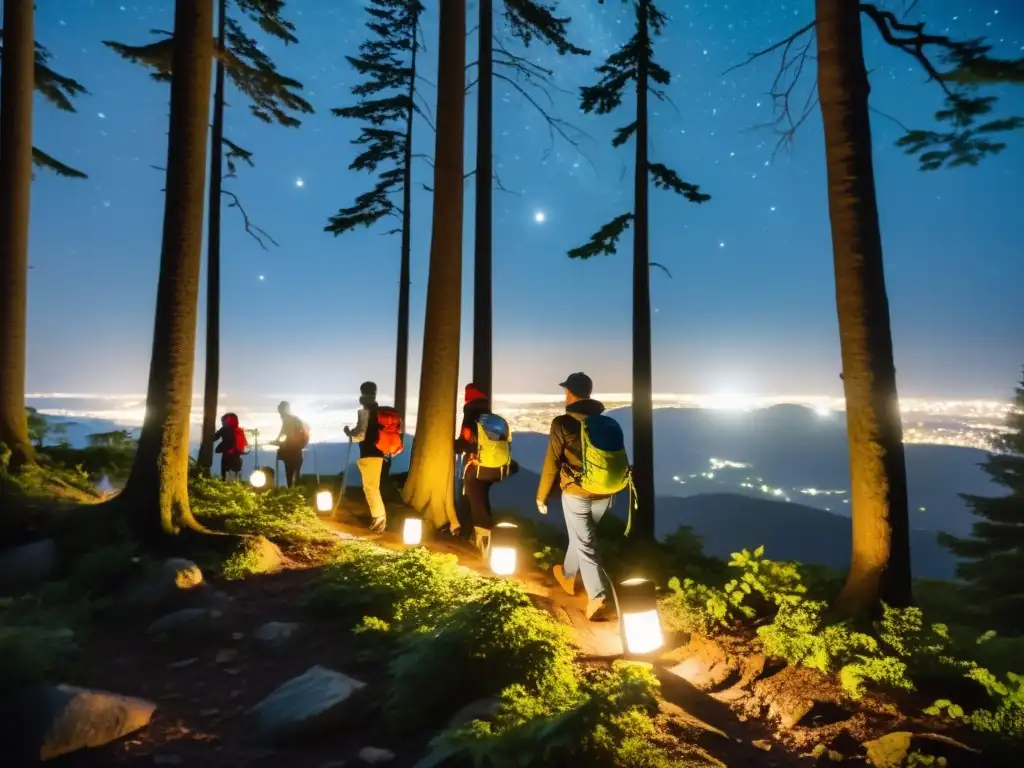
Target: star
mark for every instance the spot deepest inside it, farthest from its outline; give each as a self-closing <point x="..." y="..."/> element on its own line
<point x="540" y="217"/>
<point x="300" y="183"/>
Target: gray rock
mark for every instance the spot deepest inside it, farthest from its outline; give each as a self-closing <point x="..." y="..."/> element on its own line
<point x="376" y="756"/>
<point x="176" y="582"/>
<point x="187" y="622"/>
<point x="275" y="634"/>
<point x="47" y="722"/>
<point x="27" y="566"/>
<point x="317" y="701"/>
<point x="481" y="709"/>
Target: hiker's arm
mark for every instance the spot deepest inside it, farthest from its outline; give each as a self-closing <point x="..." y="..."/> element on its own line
<point x="356" y="435"/>
<point x="552" y="461"/>
<point x="464" y="442"/>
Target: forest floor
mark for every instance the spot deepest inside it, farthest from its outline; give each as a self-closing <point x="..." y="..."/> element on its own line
<point x="720" y="702"/>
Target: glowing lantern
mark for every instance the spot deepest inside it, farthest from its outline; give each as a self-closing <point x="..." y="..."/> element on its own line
<point x="412" y="531"/>
<point x="324" y="501"/>
<point x="258" y="479"/>
<point x="504" y="542"/>
<point x="638" y="617"/>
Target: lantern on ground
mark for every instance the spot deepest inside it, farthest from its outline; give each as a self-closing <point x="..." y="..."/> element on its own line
<point x="258" y="479"/>
<point x="412" y="531"/>
<point x="504" y="543"/>
<point x="638" y="617"/>
<point x="324" y="501"/>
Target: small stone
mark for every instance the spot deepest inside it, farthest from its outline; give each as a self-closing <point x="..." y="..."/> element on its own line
<point x="275" y="634"/>
<point x="183" y="663"/>
<point x="316" y="702"/>
<point x="376" y="756"/>
<point x="26" y="566"/>
<point x="226" y="655"/>
<point x="762" y="744"/>
<point x="187" y="621"/>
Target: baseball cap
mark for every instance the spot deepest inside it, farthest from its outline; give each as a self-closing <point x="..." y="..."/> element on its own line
<point x="579" y="384"/>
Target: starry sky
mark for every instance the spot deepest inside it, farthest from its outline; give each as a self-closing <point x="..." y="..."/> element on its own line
<point x="750" y="305"/>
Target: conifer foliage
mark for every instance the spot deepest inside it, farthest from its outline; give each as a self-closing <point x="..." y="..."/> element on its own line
<point x="60" y="91"/>
<point x="993" y="555"/>
<point x="387" y="107"/>
<point x="634" y="63"/>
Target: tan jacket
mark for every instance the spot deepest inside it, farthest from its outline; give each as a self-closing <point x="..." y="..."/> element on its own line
<point x="564" y="458"/>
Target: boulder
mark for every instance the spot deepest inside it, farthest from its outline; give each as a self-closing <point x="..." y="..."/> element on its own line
<point x="317" y="701"/>
<point x="49" y="721"/>
<point x="376" y="755"/>
<point x="892" y="750"/>
<point x="27" y="566"/>
<point x="172" y="585"/>
<point x="187" y="622"/>
<point x="481" y="709"/>
<point x="274" y="635"/>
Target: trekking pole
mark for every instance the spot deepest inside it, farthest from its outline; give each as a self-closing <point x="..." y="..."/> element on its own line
<point x="344" y="476"/>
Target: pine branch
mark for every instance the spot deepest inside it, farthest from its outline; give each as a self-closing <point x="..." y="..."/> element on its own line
<point x="234" y="155"/>
<point x="155" y="56"/>
<point x="47" y="162"/>
<point x="257" y="234"/>
<point x="529" y="19"/>
<point x="556" y="126"/>
<point x="665" y="178"/>
<point x="605" y="240"/>
<point x="986" y="71"/>
<point x="53" y="86"/>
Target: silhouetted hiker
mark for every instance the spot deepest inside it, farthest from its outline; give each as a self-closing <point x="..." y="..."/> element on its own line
<point x="485" y="442"/>
<point x="379" y="434"/>
<point x="293" y="438"/>
<point x="233" y="445"/>
<point x="571" y="438"/>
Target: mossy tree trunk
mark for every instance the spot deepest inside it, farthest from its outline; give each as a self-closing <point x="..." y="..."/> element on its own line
<point x="211" y="372"/>
<point x="16" y="93"/>
<point x="429" y="487"/>
<point x="643" y="374"/>
<point x="880" y="565"/>
<point x="483" y="328"/>
<point x="156" y="494"/>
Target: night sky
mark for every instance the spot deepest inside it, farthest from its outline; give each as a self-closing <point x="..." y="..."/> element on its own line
<point x="750" y="307"/>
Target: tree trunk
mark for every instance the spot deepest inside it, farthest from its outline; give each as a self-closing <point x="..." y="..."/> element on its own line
<point x="643" y="405"/>
<point x="880" y="564"/>
<point x="16" y="94"/>
<point x="156" y="494"/>
<point x="483" y="322"/>
<point x="429" y="487"/>
<point x="402" y="345"/>
<point x="211" y="386"/>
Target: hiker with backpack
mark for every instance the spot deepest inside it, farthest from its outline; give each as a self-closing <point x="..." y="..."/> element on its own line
<point x="485" y="443"/>
<point x="587" y="455"/>
<point x="233" y="445"/>
<point x="379" y="432"/>
<point x="292" y="440"/>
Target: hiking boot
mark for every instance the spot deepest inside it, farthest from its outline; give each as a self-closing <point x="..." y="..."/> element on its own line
<point x="597" y="610"/>
<point x="378" y="525"/>
<point x="569" y="585"/>
<point x="482" y="540"/>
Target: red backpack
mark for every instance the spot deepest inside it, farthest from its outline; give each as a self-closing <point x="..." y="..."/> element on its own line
<point x="389" y="432"/>
<point x="241" y="442"/>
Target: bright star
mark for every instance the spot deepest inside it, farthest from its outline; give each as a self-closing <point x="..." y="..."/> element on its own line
<point x="539" y="217"/>
<point x="300" y="183"/>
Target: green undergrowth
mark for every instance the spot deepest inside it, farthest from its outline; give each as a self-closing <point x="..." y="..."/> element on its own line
<point x="452" y="637"/>
<point x="285" y="516"/>
<point x="781" y="604"/>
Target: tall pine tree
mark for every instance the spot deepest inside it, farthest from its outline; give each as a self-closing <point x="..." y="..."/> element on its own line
<point x="526" y="20"/>
<point x="880" y="542"/>
<point x="59" y="91"/>
<point x="274" y="98"/>
<point x="634" y="62"/>
<point x="387" y="107"/>
<point x="992" y="557"/>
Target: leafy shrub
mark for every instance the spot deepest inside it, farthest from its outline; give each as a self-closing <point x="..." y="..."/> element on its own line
<point x="282" y="515"/>
<point x="408" y="590"/>
<point x="603" y="722"/>
<point x="495" y="640"/>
